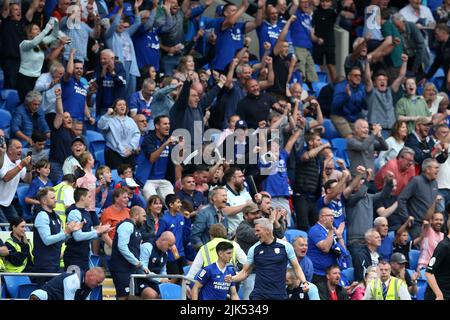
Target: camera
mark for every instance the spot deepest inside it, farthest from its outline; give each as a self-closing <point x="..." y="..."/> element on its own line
<point x="2" y="140"/>
<point x="79" y="173"/>
<point x="336" y="251"/>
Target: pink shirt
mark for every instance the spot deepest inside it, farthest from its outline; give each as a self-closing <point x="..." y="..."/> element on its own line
<point x="427" y="246"/>
<point x="89" y="182"/>
<point x="402" y="177"/>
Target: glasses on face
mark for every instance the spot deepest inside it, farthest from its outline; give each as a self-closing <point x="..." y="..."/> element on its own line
<point x="410" y="161"/>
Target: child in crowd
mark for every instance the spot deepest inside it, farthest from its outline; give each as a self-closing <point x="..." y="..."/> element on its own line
<point x="174" y="221"/>
<point x="42" y="168"/>
<point x="37" y="148"/>
<point x="105" y="186"/>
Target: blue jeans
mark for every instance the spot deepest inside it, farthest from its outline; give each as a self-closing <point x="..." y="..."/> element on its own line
<point x="169" y="63"/>
<point x="56" y="172"/>
<point x="7" y="213"/>
<point x="442" y="205"/>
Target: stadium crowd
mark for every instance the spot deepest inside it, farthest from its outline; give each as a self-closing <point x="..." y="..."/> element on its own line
<point x="151" y="134"/>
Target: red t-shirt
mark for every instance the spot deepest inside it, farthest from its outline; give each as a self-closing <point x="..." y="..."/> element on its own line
<point x="333" y="295"/>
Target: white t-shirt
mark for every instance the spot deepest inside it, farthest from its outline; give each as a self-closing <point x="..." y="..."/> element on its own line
<point x="236" y="200"/>
<point x="8" y="189"/>
<point x="68" y="197"/>
<point x="410" y="15"/>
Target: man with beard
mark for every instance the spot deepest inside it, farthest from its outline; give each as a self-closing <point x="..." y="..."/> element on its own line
<point x="126" y="252"/>
<point x="64" y="130"/>
<point x="432" y="236"/>
<point x="269" y="257"/>
<point x="331" y="290"/>
<point x="238" y="198"/>
<point x="74" y="91"/>
<point x="423" y="145"/>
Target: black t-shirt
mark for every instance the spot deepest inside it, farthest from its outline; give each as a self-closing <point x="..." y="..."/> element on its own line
<point x="281" y="71"/>
<point x="439" y="265"/>
<point x="403" y="249"/>
<point x="394" y="220"/>
<point x="323" y="22"/>
<point x="11" y="35"/>
<point x="253" y="109"/>
<point x="61" y="143"/>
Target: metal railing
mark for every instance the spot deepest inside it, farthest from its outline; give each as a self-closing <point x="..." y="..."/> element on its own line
<point x="132" y="284"/>
<point x="153" y="276"/>
<point x="29" y="274"/>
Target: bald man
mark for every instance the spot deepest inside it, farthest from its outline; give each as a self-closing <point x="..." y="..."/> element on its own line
<point x="70" y="286"/>
<point x="154" y="259"/>
<point x="111" y="81"/>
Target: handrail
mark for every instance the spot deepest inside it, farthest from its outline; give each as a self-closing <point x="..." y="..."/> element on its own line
<point x="152" y="276"/>
<point x="4" y="224"/>
<point x="29" y="274"/>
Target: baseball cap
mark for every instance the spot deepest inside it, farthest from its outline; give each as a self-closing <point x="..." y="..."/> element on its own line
<point x="250" y="208"/>
<point x="399" y="258"/>
<point x="241" y="124"/>
<point x="129" y="182"/>
<point x="41" y="294"/>
<point x="81" y="139"/>
<point x="424" y="120"/>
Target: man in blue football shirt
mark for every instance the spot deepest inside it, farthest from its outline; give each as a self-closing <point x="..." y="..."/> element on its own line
<point x="210" y="282"/>
<point x="270" y="257"/>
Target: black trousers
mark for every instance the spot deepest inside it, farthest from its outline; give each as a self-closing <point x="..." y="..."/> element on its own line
<point x="10" y="71"/>
<point x="24" y="85"/>
<point x="305" y="211"/>
<point x="114" y="160"/>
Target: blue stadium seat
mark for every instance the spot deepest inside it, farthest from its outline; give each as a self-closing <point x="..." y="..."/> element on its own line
<point x="313" y="293"/>
<point x="97" y="293"/>
<point x="2" y="78"/>
<point x="330" y="131"/>
<point x="5" y="121"/>
<point x="99" y="156"/>
<point x="12" y="99"/>
<point x="349" y="274"/>
<point x="94" y="261"/>
<point x="13" y="283"/>
<point x="3" y="291"/>
<point x="434" y="4"/>
<point x="115" y="176"/>
<point x="21" y="194"/>
<point x="186" y="269"/>
<point x="95" y="140"/>
<point x="413" y="259"/>
<point x="317" y="86"/>
<point x="291" y="234"/>
<point x="317" y="67"/>
<point x="170" y="291"/>
<point x="26" y="289"/>
<point x="438" y="82"/>
<point x="359" y="31"/>
<point x="340" y="149"/>
<point x="421" y="291"/>
<point x="323" y="77"/>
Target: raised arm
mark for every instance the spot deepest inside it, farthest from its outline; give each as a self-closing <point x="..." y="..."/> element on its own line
<point x="401" y="75"/>
<point x="283" y="34"/>
<point x="252" y="25"/>
<point x="368" y="77"/>
<point x="231" y="20"/>
<point x="5" y="9"/>
<point x="31" y="10"/>
<point x="294" y="7"/>
<point x="70" y="67"/>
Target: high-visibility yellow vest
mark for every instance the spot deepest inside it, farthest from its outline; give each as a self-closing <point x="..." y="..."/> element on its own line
<point x="392" y="292"/>
<point x="60" y="208"/>
<point x="9" y="267"/>
<point x="2" y="265"/>
<point x="209" y="253"/>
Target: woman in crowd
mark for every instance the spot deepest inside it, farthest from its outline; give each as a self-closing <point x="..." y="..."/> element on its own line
<point x="20" y="256"/>
<point x="395" y="142"/>
<point x="122" y="135"/>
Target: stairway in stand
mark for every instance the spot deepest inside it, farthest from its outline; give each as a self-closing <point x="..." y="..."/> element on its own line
<point x="109" y="292"/>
